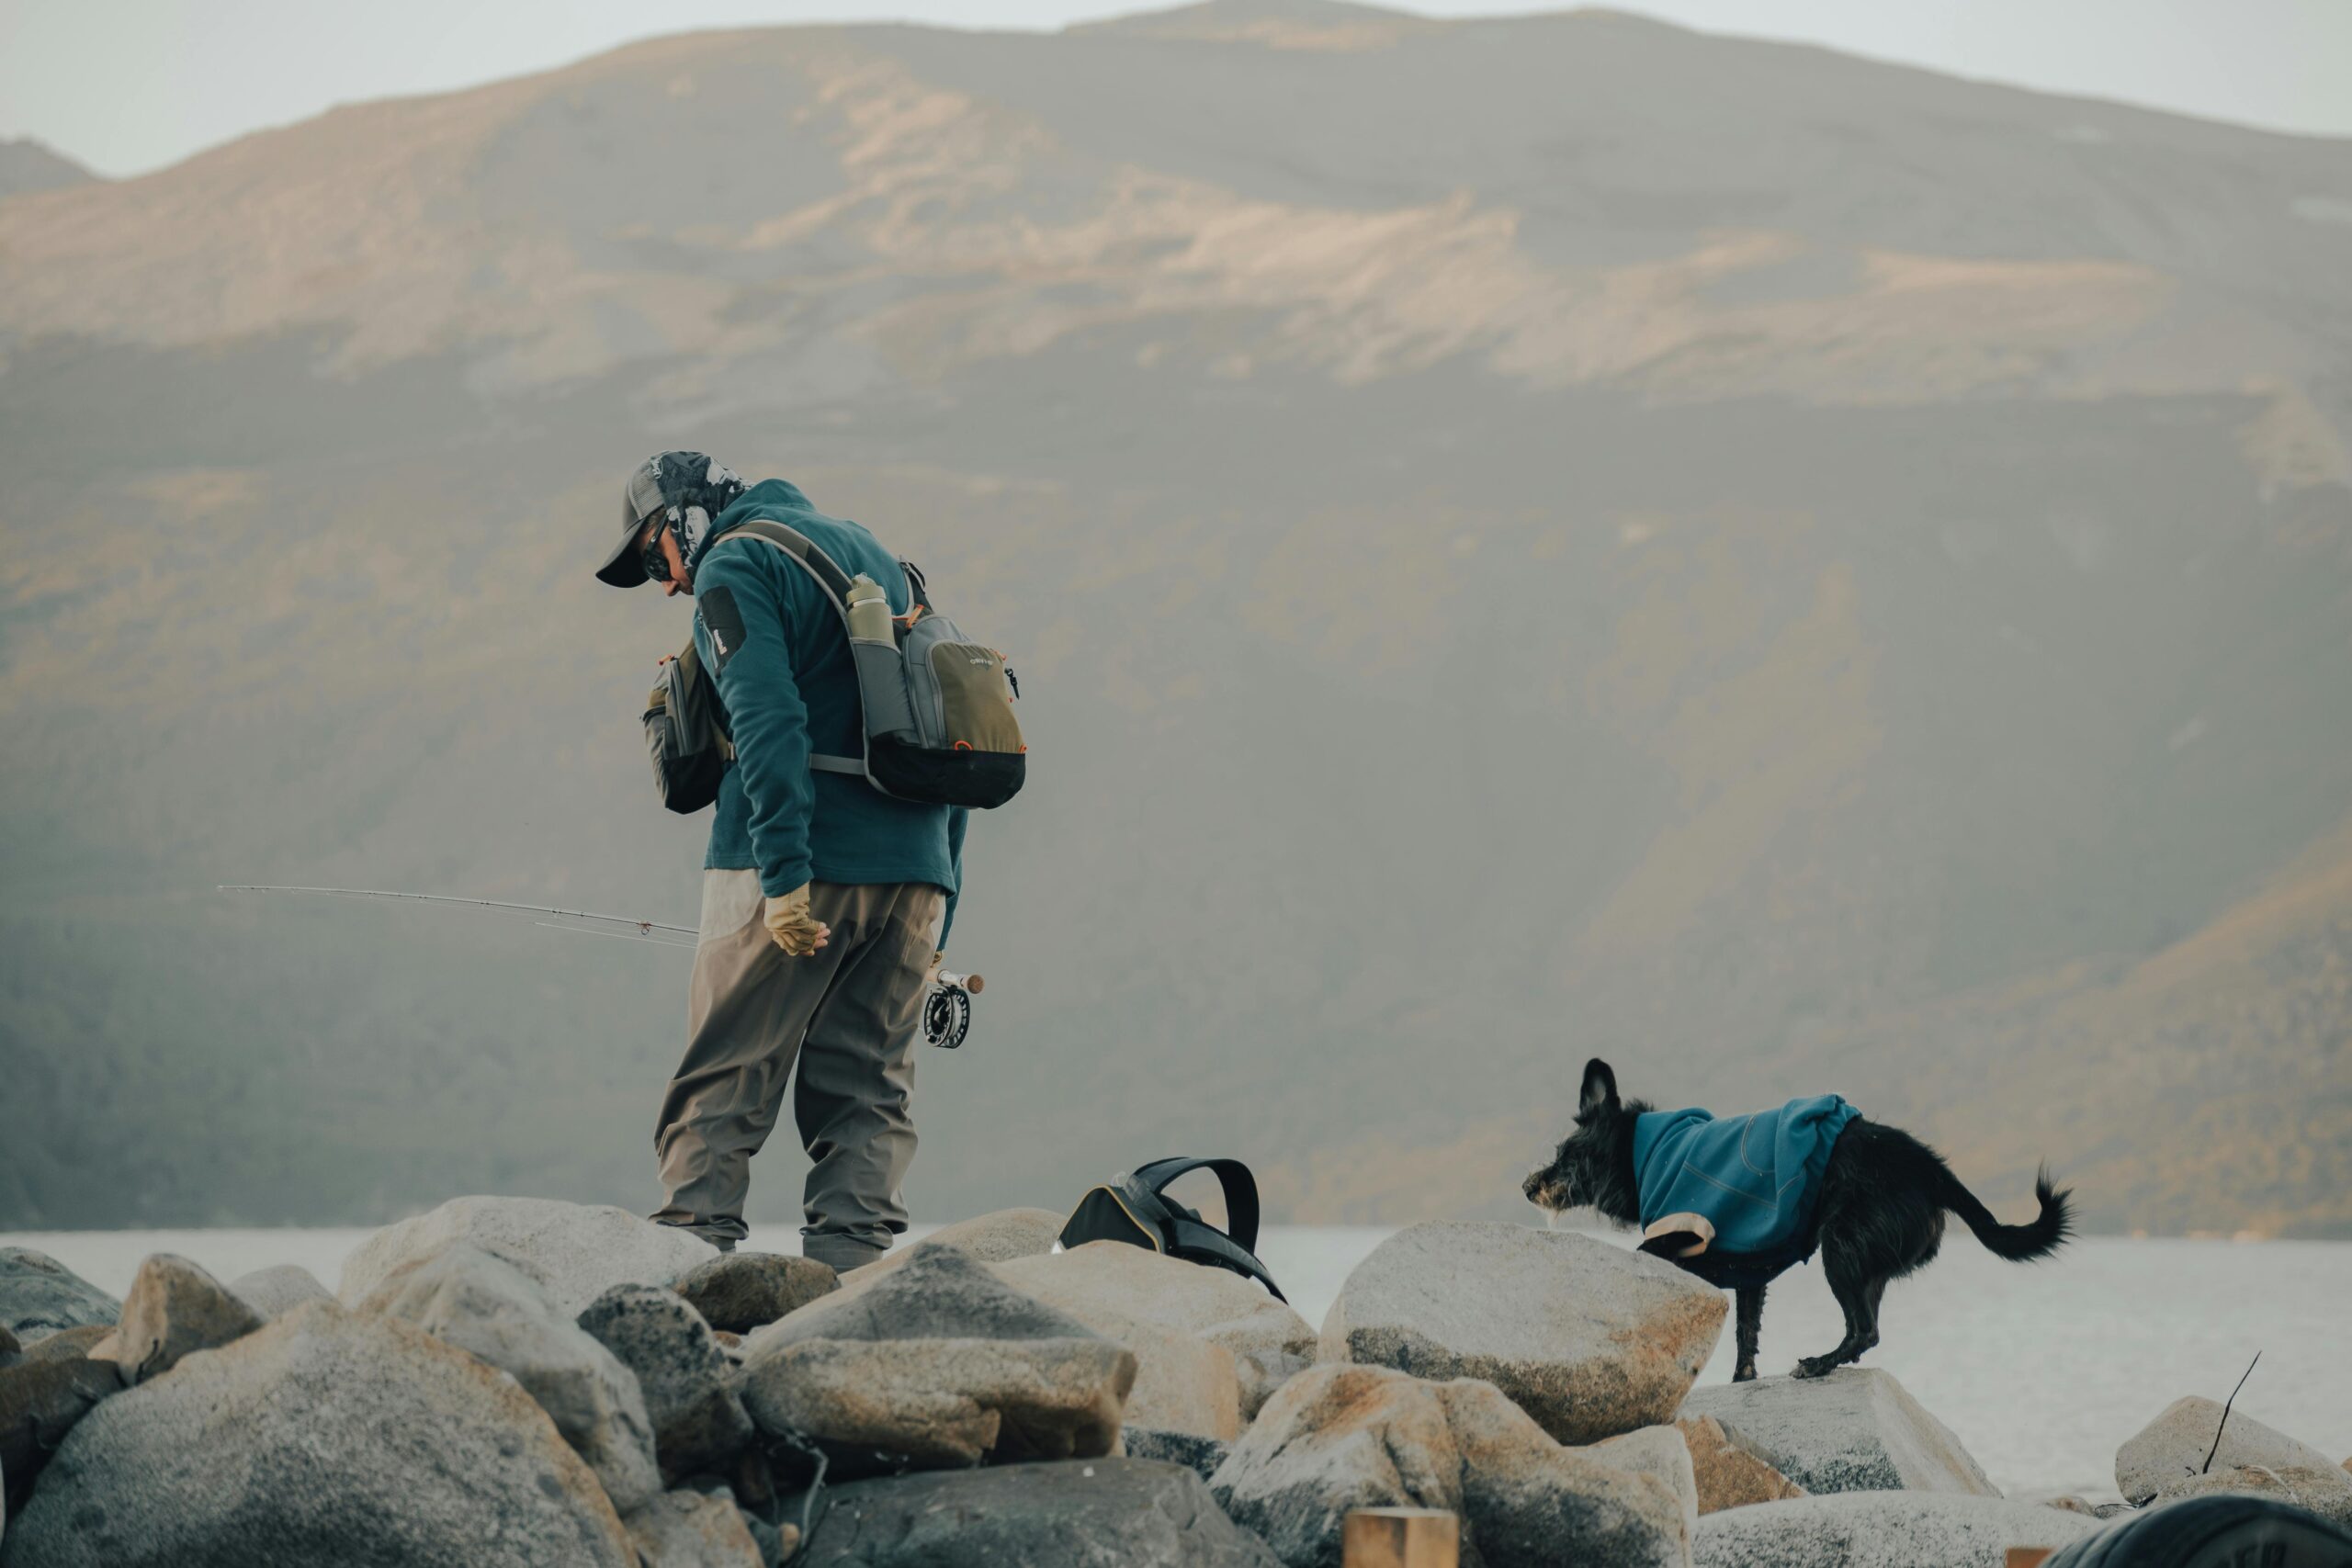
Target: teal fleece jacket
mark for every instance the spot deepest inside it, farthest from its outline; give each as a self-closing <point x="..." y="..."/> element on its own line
<point x="775" y="645"/>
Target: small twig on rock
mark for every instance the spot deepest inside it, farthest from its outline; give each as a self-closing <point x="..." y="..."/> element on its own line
<point x="816" y="1485"/>
<point x="2225" y="1414"/>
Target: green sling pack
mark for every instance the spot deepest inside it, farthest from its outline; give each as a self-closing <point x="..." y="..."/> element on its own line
<point x="939" y="725"/>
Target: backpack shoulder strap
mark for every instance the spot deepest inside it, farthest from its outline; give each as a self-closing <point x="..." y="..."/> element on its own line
<point x="831" y="580"/>
<point x="1240" y="1190"/>
<point x="1198" y="1243"/>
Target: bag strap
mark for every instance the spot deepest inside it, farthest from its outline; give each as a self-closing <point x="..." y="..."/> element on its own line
<point x="1196" y="1242"/>
<point x="833" y="582"/>
<point x="1240" y="1190"/>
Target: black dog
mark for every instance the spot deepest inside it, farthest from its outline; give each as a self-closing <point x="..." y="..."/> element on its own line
<point x="1880" y="1212"/>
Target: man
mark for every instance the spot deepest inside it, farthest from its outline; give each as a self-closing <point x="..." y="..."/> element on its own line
<point x="825" y="902"/>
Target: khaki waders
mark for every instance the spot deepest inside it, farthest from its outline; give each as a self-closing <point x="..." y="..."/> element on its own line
<point x="847" y="1015"/>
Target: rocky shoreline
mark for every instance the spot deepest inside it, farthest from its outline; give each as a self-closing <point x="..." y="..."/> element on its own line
<point x="526" y="1382"/>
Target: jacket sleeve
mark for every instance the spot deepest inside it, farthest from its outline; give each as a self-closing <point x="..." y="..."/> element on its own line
<point x="743" y="614"/>
<point x="957" y="820"/>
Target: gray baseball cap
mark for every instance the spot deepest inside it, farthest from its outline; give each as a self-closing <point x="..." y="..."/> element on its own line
<point x="640" y="499"/>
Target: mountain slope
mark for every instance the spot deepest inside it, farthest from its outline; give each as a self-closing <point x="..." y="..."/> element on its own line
<point x="27" y="165"/>
<point x="1524" y="539"/>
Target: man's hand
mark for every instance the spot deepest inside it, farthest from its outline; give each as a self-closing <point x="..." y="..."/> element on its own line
<point x="793" y="927"/>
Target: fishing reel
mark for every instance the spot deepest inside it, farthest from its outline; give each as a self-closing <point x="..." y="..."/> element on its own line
<point x="947" y="1011"/>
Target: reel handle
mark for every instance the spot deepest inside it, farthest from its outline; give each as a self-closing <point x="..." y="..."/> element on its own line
<point x="971" y="983"/>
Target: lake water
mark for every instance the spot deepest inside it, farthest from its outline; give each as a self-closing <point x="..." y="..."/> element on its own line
<point x="2042" y="1370"/>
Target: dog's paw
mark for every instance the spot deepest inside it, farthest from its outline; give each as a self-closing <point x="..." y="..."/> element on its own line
<point x="1746" y="1372"/>
<point x="1814" y="1366"/>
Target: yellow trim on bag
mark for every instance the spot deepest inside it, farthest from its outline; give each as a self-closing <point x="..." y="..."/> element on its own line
<point x="1150" y="1231"/>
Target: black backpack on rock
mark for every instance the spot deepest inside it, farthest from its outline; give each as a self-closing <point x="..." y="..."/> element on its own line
<point x="1135" y="1207"/>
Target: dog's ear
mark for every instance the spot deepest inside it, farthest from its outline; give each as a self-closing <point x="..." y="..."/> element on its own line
<point x="1599" y="1093"/>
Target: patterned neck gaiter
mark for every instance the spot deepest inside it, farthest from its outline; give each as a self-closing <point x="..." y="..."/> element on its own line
<point x="687" y="490"/>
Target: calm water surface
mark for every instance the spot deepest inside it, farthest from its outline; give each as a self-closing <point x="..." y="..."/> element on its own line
<point x="2042" y="1370"/>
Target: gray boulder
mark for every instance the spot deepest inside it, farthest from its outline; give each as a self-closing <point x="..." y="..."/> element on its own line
<point x="687" y="1529"/>
<point x="39" y="1295"/>
<point x="938" y="1363"/>
<point x="1339" y="1437"/>
<point x="486" y="1307"/>
<point x="1183" y="1384"/>
<point x="994" y="1237"/>
<point x="67" y="1344"/>
<point x="1262" y="1372"/>
<point x="1200" y="1455"/>
<point x="1655" y="1451"/>
<point x="2325" y="1491"/>
<point x="1729" y="1470"/>
<point x="699" y="1424"/>
<point x="1881" y="1529"/>
<point x="575" y="1252"/>
<point x="1106" y="1513"/>
<point x="1590" y="1339"/>
<point x="776" y="1542"/>
<point x="274" y="1293"/>
<point x="2171" y="1449"/>
<point x="1854" y="1430"/>
<point x="175" y="1309"/>
<point x="738" y="1292"/>
<point x="325" y="1437"/>
<point x="1140" y="1298"/>
<point x="41" y="1397"/>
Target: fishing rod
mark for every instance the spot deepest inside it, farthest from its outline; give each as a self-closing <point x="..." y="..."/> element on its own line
<point x="446" y="898"/>
<point x="946" y="1014"/>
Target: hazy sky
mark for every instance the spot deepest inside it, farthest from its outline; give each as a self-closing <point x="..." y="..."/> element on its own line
<point x="127" y="86"/>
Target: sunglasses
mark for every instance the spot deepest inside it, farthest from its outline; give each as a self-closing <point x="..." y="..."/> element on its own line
<point x="655" y="560"/>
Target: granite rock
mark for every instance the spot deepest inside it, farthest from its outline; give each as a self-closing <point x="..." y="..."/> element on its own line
<point x="995" y="1237"/>
<point x="1653" y="1450"/>
<point x="937" y="1363"/>
<point x="274" y="1293"/>
<point x="1853" y="1430"/>
<point x="699" y="1423"/>
<point x="1104" y="1513"/>
<point x="1590" y="1339"/>
<point x="41" y="1397"/>
<point x="2172" y="1449"/>
<point x="1728" y="1469"/>
<point x="175" y="1309"/>
<point x="487" y="1308"/>
<point x="2326" y="1491"/>
<point x="1144" y="1302"/>
<point x="409" y="1453"/>
<point x="1200" y="1455"/>
<point x="738" y="1292"/>
<point x="1881" y="1529"/>
<point x="39" y="1296"/>
<point x="1340" y="1437"/>
<point x="575" y="1252"/>
<point x="688" y="1530"/>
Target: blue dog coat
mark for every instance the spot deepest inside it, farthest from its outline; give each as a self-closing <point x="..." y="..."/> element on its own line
<point x="1754" y="1177"/>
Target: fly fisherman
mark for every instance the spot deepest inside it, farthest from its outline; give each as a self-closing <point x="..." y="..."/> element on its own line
<point x="825" y="903"/>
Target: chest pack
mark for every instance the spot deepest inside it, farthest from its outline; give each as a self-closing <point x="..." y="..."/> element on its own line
<point x="1135" y="1207"/>
<point x="938" y="725"/>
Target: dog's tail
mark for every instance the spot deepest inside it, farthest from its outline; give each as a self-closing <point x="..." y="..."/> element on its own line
<point x="2045" y="1233"/>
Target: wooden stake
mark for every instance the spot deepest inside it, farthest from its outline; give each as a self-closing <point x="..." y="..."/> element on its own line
<point x="1401" y="1538"/>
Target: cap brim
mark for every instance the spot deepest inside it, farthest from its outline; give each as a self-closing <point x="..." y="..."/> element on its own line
<point x="624" y="568"/>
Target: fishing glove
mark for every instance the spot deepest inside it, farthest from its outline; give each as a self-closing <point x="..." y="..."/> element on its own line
<point x="793" y="929"/>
